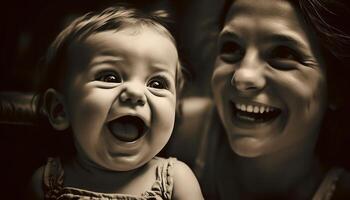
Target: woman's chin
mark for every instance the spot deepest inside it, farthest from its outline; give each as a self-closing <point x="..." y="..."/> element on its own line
<point x="247" y="147"/>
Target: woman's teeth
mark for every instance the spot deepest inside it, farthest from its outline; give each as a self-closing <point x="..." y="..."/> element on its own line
<point x="253" y="108"/>
<point x="255" y="113"/>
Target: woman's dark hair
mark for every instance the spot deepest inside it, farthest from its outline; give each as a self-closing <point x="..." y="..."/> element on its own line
<point x="328" y="18"/>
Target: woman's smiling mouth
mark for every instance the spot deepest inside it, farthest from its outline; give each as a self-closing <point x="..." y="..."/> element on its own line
<point x="252" y="113"/>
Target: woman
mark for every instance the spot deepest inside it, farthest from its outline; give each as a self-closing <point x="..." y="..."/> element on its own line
<point x="276" y="86"/>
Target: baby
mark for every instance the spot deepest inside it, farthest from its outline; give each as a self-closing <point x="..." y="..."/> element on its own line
<point x="113" y="81"/>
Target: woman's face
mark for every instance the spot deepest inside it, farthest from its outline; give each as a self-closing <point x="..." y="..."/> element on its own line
<point x="269" y="82"/>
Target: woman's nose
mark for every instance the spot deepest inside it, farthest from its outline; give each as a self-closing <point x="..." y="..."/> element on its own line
<point x="249" y="76"/>
<point x="134" y="94"/>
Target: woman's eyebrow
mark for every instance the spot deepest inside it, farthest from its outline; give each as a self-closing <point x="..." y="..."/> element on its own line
<point x="228" y="34"/>
<point x="290" y="39"/>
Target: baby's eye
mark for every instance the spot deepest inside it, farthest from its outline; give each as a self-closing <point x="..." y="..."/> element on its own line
<point x="158" y="83"/>
<point x="109" y="76"/>
<point x="285" y="53"/>
<point x="231" y="52"/>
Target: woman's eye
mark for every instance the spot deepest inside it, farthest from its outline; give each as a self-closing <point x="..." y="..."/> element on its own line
<point x="285" y="53"/>
<point x="231" y="52"/>
<point x="109" y="76"/>
<point x="158" y="83"/>
<point x="284" y="58"/>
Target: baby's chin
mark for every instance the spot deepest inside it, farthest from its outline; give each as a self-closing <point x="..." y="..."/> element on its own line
<point x="123" y="163"/>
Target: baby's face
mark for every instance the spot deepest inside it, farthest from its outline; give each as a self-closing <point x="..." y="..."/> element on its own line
<point x="120" y="96"/>
<point x="269" y="82"/>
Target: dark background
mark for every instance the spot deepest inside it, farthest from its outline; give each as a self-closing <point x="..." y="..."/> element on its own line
<point x="27" y="28"/>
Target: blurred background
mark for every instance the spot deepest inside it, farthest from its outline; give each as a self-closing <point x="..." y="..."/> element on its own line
<point x="27" y="28"/>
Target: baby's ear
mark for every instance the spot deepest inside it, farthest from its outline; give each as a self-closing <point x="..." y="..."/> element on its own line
<point x="55" y="109"/>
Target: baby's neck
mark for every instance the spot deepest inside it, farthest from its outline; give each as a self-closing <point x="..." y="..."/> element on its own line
<point x="91" y="177"/>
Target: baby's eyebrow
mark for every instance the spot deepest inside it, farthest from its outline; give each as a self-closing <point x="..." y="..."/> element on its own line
<point x="105" y="59"/>
<point x="161" y="68"/>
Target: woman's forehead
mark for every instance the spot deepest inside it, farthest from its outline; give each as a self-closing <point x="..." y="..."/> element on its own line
<point x="261" y="8"/>
<point x="266" y="19"/>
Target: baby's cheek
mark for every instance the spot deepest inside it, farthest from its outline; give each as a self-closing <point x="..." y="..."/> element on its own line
<point x="88" y="112"/>
<point x="163" y="113"/>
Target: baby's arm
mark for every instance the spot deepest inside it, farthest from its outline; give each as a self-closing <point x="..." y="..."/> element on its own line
<point x="35" y="190"/>
<point x="186" y="185"/>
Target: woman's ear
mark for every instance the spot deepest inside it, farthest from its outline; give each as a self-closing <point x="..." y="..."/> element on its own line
<point x="55" y="109"/>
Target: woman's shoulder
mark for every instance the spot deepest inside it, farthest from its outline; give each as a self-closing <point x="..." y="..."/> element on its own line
<point x="342" y="189"/>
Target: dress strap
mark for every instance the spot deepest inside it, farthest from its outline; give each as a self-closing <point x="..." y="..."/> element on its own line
<point x="163" y="187"/>
<point x="328" y="185"/>
<point x="53" y="178"/>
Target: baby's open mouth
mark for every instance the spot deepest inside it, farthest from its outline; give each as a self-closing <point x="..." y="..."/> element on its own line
<point x="255" y="113"/>
<point x="128" y="128"/>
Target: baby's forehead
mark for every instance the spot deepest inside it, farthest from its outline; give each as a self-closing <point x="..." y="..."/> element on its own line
<point x="98" y="38"/>
<point x="130" y="29"/>
<point x="126" y="44"/>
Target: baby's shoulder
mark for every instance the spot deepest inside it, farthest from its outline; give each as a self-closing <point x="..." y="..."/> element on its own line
<point x="163" y="166"/>
<point x="185" y="184"/>
<point x="44" y="177"/>
<point x="170" y="164"/>
<point x="35" y="190"/>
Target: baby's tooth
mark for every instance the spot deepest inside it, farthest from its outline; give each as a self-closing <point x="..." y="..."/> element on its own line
<point x="267" y="109"/>
<point x="250" y="108"/>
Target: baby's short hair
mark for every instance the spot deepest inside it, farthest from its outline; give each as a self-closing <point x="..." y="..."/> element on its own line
<point x="112" y="18"/>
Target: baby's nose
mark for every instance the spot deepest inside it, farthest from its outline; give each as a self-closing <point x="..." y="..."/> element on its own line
<point x="133" y="93"/>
